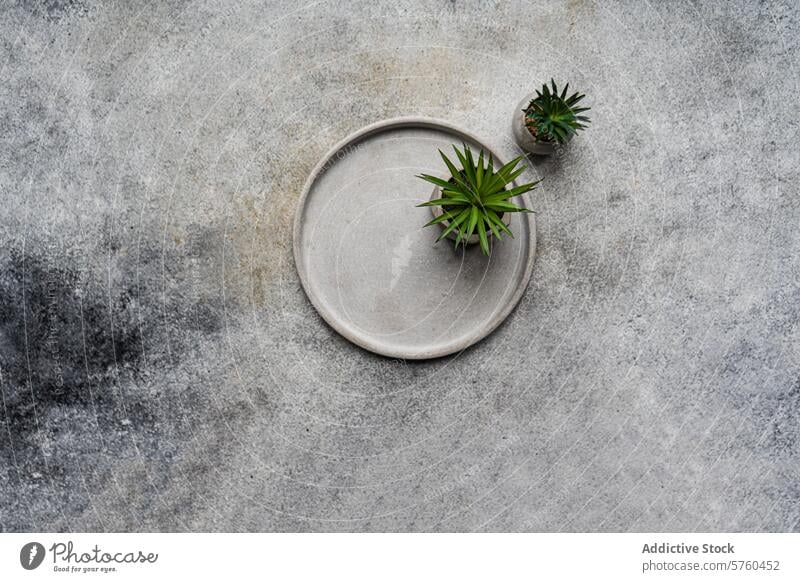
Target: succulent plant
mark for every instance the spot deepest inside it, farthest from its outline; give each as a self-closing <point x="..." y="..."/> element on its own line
<point x="474" y="198"/>
<point x="554" y="117"/>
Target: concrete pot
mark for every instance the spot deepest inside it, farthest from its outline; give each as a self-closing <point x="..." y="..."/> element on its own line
<point x="453" y="235"/>
<point x="524" y="138"/>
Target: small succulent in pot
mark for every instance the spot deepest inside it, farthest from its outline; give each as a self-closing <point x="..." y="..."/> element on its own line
<point x="472" y="203"/>
<point x="548" y="119"/>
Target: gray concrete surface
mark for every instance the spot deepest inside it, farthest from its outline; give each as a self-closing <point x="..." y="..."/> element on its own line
<point x="162" y="370"/>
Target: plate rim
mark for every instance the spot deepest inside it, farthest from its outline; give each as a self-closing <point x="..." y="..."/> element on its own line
<point x="449" y="348"/>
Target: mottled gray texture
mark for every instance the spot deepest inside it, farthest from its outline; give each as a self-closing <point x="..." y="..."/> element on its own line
<point x="162" y="369"/>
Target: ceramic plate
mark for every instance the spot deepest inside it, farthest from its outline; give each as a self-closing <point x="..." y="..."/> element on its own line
<point x="371" y="270"/>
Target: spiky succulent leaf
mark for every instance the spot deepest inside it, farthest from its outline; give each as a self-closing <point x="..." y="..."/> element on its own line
<point x="482" y="236"/>
<point x="455" y="224"/>
<point x="553" y="116"/>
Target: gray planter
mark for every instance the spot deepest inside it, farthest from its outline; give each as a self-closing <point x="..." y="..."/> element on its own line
<point x="453" y="235"/>
<point x="525" y="138"/>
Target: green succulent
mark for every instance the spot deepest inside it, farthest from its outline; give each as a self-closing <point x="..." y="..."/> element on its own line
<point x="475" y="197"/>
<point x="554" y="117"/>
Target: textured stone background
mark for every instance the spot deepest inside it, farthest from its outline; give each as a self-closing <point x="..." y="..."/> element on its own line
<point x="162" y="369"/>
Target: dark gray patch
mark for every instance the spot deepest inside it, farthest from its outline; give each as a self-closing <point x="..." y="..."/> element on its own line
<point x="85" y="378"/>
<point x="783" y="417"/>
<point x="58" y="334"/>
<point x="55" y="10"/>
<point x="67" y="345"/>
<point x="182" y="271"/>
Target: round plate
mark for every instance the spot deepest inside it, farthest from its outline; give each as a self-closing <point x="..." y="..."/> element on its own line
<point x="371" y="270"/>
